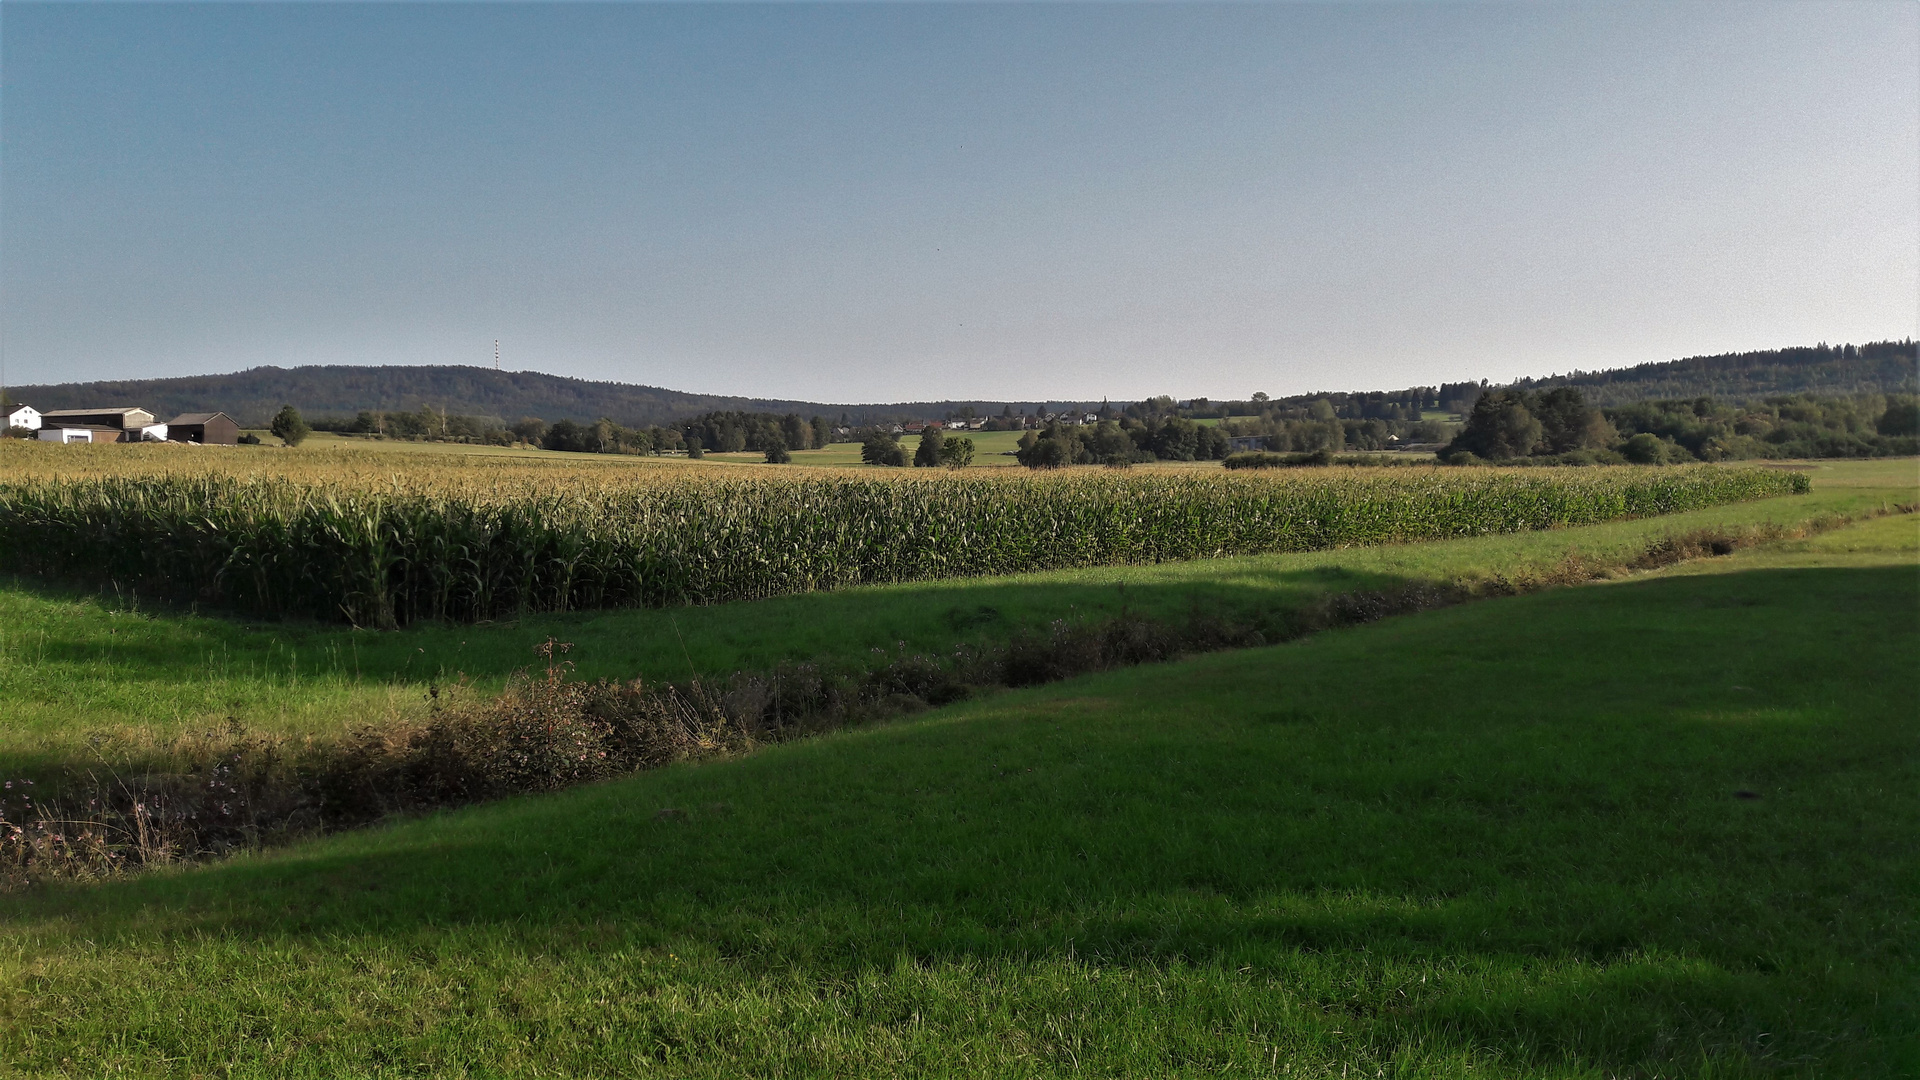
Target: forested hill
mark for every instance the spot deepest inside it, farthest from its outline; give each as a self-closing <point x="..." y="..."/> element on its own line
<point x="340" y="390"/>
<point x="1878" y="367"/>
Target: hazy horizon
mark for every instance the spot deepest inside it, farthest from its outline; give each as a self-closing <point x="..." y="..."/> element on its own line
<point x="882" y="203"/>
<point x="1095" y="395"/>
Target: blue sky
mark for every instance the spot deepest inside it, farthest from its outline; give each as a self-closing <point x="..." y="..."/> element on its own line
<point x="884" y="202"/>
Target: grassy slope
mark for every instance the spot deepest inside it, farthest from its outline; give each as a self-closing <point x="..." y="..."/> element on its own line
<point x="1495" y="840"/>
<point x="72" y="664"/>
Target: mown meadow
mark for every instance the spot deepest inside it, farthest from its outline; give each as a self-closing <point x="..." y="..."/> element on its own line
<point x="1652" y="827"/>
<point x="80" y="661"/>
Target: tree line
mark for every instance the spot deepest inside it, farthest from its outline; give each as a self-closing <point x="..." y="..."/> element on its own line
<point x="1559" y="426"/>
<point x="1510" y="423"/>
<point x="1827" y="371"/>
<point x="935" y="449"/>
<point x="726" y="431"/>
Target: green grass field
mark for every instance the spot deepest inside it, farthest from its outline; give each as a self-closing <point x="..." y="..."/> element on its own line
<point x="1662" y="826"/>
<point x="75" y="665"/>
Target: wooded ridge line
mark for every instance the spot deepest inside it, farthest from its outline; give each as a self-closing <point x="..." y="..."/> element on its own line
<point x="253" y="395"/>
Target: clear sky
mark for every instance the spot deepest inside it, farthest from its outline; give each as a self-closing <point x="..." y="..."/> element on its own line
<point x="873" y="202"/>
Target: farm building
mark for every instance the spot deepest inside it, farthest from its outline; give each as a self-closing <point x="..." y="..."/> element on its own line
<point x="132" y="424"/>
<point x="124" y="419"/>
<point x="214" y="428"/>
<point x="24" y="416"/>
<point x="86" y="433"/>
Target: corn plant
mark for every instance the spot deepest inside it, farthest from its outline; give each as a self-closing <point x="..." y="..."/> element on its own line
<point x="387" y="553"/>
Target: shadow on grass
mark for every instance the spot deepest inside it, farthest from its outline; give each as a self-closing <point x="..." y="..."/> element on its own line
<point x="177" y="648"/>
<point x="1517" y="787"/>
<point x="173" y="646"/>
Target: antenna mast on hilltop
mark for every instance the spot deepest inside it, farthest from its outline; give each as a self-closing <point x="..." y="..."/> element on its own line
<point x="496" y="354"/>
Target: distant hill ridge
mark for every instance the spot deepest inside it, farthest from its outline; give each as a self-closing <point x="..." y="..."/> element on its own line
<point x="1878" y="367"/>
<point x="253" y="395"/>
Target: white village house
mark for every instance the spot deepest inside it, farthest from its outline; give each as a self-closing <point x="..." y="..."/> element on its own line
<point x="24" y="416"/>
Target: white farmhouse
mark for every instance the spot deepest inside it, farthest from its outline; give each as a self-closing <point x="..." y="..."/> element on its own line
<point x="24" y="416"/>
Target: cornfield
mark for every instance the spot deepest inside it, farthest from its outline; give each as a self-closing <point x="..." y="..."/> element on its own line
<point x="388" y="554"/>
<point x="384" y="554"/>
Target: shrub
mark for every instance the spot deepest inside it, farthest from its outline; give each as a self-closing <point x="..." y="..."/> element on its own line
<point x="570" y="436"/>
<point x="879" y="448"/>
<point x="927" y="455"/>
<point x="777" y="454"/>
<point x="288" y="427"/>
<point x="1506" y="424"/>
<point x="1500" y="426"/>
<point x="956" y="453"/>
<point x="1175" y="440"/>
<point x="1901" y="418"/>
<point x="530" y="429"/>
<point x="1645" y="449"/>
<point x="1045" y="454"/>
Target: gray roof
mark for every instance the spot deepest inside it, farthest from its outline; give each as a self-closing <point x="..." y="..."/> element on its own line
<point x="198" y="418"/>
<point x="121" y="409"/>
